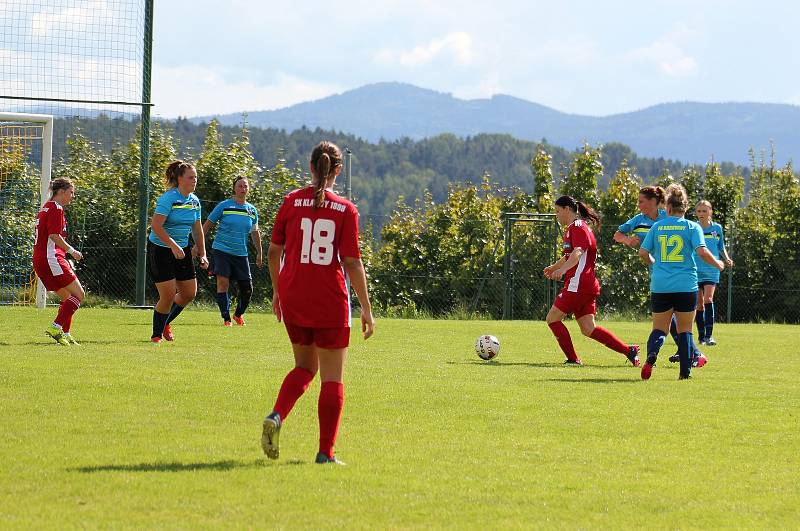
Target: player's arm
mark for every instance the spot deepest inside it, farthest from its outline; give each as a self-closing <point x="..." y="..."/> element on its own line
<point x="624" y="239"/>
<point x="207" y="225"/>
<point x="255" y="237"/>
<point x="646" y="257"/>
<point x="708" y="258"/>
<point x="157" y="224"/>
<point x="571" y="262"/>
<point x="723" y="251"/>
<point x="358" y="280"/>
<point x="61" y="243"/>
<point x="549" y="269"/>
<point x="200" y="242"/>
<point x="274" y="253"/>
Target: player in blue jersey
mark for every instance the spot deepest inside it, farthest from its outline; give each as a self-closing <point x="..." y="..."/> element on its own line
<point x="708" y="276"/>
<point x="670" y="248"/>
<point x="169" y="254"/>
<point x="633" y="231"/>
<point x="237" y="220"/>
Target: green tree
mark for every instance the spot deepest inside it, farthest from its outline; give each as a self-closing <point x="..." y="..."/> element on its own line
<point x="542" y="167"/>
<point x="584" y="171"/>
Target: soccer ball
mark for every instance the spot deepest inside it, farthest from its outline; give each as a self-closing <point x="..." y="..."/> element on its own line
<point x="487" y="347"/>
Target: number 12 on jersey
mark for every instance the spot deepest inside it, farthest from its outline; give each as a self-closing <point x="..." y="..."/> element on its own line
<point x="317" y="246"/>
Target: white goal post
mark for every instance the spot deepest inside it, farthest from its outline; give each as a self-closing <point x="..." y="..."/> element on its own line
<point x="46" y="121"/>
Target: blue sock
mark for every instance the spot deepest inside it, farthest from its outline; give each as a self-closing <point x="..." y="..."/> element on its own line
<point x="174" y="312"/>
<point x="709" y="318"/>
<point x="673" y="329"/>
<point x="654" y="343"/>
<point x="699" y="318"/>
<point x="245" y="294"/>
<point x="159" y="322"/>
<point x="685" y="353"/>
<point x="224" y="303"/>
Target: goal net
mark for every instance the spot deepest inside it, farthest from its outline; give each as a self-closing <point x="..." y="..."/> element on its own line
<point x="26" y="143"/>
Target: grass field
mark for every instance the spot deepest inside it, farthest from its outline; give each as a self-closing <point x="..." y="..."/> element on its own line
<point x="123" y="433"/>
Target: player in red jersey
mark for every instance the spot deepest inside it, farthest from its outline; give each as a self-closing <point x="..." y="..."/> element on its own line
<point x="314" y="236"/>
<point x="581" y="288"/>
<point x="50" y="249"/>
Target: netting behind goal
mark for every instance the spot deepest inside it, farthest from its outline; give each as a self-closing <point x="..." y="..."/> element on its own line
<point x="22" y="179"/>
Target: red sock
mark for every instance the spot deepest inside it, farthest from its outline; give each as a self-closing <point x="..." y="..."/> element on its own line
<point x="68" y="307"/>
<point x="608" y="338"/>
<point x="564" y="340"/>
<point x="331" y="399"/>
<point x="293" y="387"/>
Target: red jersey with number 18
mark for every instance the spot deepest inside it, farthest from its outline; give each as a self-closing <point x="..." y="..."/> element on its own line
<point x="311" y="284"/>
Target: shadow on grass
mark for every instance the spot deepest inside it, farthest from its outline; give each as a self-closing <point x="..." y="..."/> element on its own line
<point x="176" y="466"/>
<point x="547" y="365"/>
<point x="633" y="379"/>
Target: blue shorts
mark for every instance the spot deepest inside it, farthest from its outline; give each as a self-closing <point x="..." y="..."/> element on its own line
<point x="230" y="266"/>
<point x="679" y="302"/>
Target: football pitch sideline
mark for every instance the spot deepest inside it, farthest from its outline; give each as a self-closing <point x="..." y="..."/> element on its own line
<point x="122" y="433"/>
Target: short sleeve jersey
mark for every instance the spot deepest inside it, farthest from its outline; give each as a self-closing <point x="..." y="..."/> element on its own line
<point x="673" y="242"/>
<point x="311" y="283"/>
<point x="715" y="242"/>
<point x="639" y="225"/>
<point x="181" y="211"/>
<point x="236" y="222"/>
<point x="581" y="278"/>
<point x="49" y="220"/>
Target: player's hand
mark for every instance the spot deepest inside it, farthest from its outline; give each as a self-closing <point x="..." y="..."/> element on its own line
<point x="729" y="262"/>
<point x="367" y="323"/>
<point x="203" y="262"/>
<point x="620" y="238"/>
<point x="720" y="265"/>
<point x="178" y="253"/>
<point x="76" y="254"/>
<point x="260" y="260"/>
<point x="276" y="307"/>
<point x="548" y="271"/>
<point x="557" y="274"/>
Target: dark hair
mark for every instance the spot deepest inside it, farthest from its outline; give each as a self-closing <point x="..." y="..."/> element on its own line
<point x="584" y="210"/>
<point x="677" y="198"/>
<point x="175" y="170"/>
<point x="236" y="180"/>
<point x="653" y="192"/>
<point x="62" y="183"/>
<point x="324" y="160"/>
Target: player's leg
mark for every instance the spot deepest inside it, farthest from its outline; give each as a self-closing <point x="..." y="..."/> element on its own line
<point x="554" y="321"/>
<point x="166" y="296"/>
<point x="661" y="307"/>
<point x="245" y="283"/>
<point x="699" y="317"/>
<point x="294" y="385"/>
<point x="71" y="296"/>
<point x="708" y="312"/>
<point x="585" y="318"/>
<point x="223" y="299"/>
<point x="331" y="400"/>
<point x="685" y="322"/>
<point x="185" y="287"/>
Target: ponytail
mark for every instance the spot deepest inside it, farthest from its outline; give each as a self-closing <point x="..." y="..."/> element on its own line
<point x="325" y="158"/>
<point x="584" y="211"/>
<point x="677" y="198"/>
<point x="175" y="170"/>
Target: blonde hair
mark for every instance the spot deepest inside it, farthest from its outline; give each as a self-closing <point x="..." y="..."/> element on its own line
<point x="705" y="202"/>
<point x="677" y="198"/>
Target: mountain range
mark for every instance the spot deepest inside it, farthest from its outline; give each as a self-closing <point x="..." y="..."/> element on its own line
<point x="687" y="131"/>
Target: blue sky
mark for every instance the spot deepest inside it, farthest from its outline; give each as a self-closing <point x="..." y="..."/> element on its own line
<point x="586" y="57"/>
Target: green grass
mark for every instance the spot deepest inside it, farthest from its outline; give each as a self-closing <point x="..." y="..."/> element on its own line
<point x="123" y="433"/>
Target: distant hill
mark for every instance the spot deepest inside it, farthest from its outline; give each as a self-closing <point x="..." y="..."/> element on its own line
<point x="690" y="132"/>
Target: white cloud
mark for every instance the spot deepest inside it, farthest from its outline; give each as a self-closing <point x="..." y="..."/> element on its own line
<point x="87" y="14"/>
<point x="456" y="46"/>
<point x="199" y="91"/>
<point x="667" y="55"/>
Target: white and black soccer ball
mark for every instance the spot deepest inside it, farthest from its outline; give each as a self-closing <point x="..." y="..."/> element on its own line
<point x="487" y="347"/>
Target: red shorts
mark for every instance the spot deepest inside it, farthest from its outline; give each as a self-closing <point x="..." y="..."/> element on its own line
<point x="578" y="303"/>
<point x="329" y="338"/>
<point x="55" y="273"/>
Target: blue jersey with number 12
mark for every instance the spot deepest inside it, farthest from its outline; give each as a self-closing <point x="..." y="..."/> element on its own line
<point x="672" y="242"/>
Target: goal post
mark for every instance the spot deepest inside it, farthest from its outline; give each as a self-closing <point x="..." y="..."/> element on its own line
<point x="19" y="135"/>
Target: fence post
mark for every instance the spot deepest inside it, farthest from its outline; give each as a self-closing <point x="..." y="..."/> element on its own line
<point x="507" y="266"/>
<point x="730" y="279"/>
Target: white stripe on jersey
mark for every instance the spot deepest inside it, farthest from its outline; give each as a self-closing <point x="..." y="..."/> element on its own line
<point x="576" y="278"/>
<point x="52" y="260"/>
